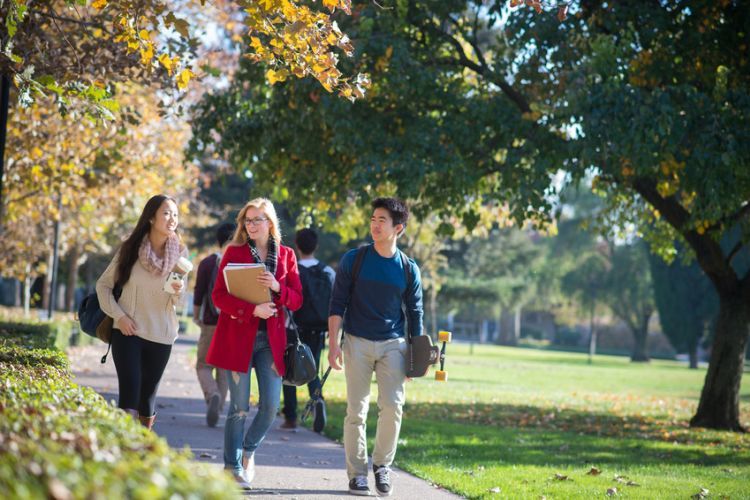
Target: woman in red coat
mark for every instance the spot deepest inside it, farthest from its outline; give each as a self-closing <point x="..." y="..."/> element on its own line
<point x="253" y="336"/>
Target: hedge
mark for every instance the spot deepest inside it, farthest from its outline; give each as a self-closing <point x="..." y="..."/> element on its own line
<point x="61" y="440"/>
<point x="48" y="334"/>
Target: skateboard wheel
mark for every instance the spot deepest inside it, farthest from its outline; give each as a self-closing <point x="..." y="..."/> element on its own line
<point x="444" y="336"/>
<point x="441" y="376"/>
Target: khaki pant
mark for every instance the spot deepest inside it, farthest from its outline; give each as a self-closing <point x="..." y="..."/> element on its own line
<point x="210" y="384"/>
<point x="388" y="360"/>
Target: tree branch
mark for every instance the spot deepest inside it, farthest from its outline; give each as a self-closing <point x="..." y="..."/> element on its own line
<point x="735" y="251"/>
<point x="64" y="19"/>
<point x="732" y="219"/>
<point x="482" y="69"/>
<point x="708" y="252"/>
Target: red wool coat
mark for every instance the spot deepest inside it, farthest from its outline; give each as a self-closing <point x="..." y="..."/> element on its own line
<point x="233" y="340"/>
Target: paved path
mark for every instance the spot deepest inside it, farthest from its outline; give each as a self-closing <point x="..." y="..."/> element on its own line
<point x="300" y="464"/>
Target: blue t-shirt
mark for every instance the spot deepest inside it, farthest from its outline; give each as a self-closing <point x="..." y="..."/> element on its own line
<point x="374" y="309"/>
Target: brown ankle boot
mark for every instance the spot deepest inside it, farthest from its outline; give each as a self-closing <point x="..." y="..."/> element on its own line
<point x="147" y="422"/>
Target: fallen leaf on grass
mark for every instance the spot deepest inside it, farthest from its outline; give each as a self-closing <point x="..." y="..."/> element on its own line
<point x="611" y="492"/>
<point x="565" y="447"/>
<point x="620" y="479"/>
<point x="561" y="477"/>
<point x="496" y="489"/>
<point x="703" y="493"/>
<point x="632" y="483"/>
<point x="594" y="472"/>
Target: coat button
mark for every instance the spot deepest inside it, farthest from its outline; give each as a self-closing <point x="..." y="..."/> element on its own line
<point x="240" y="312"/>
<point x="239" y="321"/>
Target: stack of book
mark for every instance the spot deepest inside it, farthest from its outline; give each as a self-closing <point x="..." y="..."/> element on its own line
<point x="242" y="282"/>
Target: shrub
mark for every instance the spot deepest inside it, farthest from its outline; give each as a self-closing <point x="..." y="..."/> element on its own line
<point x="567" y="336"/>
<point x="60" y="440"/>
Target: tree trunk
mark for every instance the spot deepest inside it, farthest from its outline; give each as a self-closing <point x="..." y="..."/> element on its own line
<point x="719" y="406"/>
<point x="499" y="326"/>
<point x="433" y="311"/>
<point x="640" y="336"/>
<point x="47" y="288"/>
<point x="517" y="325"/>
<point x="592" y="336"/>
<point x="26" y="294"/>
<point x="693" y="353"/>
<point x="70" y="288"/>
<point x="508" y="330"/>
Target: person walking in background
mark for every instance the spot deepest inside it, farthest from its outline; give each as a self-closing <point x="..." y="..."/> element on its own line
<point x="251" y="336"/>
<point x="312" y="320"/>
<point x="372" y="284"/>
<point x="205" y="315"/>
<point x="145" y="321"/>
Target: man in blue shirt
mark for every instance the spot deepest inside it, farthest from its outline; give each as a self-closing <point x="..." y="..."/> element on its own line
<point x="370" y="301"/>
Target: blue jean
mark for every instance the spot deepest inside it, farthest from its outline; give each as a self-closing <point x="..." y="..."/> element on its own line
<point x="269" y="393"/>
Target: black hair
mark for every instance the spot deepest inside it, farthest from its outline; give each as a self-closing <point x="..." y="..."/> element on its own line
<point x="306" y="240"/>
<point x="397" y="209"/>
<point x="224" y="233"/>
<point x="129" y="248"/>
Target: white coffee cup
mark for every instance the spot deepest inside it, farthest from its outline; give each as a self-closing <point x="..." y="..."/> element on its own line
<point x="181" y="268"/>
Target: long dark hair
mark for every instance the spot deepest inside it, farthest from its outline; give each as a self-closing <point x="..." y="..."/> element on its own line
<point x="129" y="248"/>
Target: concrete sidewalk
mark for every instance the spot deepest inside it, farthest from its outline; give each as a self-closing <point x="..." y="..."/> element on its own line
<point x="300" y="464"/>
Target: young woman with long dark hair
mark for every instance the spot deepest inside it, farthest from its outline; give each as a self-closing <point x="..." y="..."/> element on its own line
<point x="145" y="321"/>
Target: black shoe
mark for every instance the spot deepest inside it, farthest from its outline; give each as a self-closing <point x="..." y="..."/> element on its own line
<point x="212" y="415"/>
<point x="358" y="486"/>
<point x="383" y="485"/>
<point x="320" y="416"/>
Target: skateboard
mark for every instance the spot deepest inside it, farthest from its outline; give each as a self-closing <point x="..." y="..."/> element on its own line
<point x="421" y="354"/>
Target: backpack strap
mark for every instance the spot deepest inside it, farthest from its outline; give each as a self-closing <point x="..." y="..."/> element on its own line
<point x="357" y="267"/>
<point x="409" y="281"/>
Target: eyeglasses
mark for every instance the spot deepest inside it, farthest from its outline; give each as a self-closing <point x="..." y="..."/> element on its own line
<point x="257" y="221"/>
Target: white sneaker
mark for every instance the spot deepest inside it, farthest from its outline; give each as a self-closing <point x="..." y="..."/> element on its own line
<point x="248" y="463"/>
<point x="242" y="481"/>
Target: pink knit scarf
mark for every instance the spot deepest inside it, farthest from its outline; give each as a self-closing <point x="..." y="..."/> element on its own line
<point x="155" y="265"/>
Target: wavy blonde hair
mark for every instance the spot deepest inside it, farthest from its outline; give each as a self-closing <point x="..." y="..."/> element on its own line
<point x="265" y="206"/>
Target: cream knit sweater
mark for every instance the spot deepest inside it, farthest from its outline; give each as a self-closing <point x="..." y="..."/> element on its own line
<point x="143" y="300"/>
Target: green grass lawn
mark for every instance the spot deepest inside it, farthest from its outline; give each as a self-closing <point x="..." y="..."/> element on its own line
<point x="524" y="423"/>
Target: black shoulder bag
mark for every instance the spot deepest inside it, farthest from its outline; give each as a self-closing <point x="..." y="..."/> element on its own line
<point x="298" y="358"/>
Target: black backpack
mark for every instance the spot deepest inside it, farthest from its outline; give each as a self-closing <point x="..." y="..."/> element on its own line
<point x="94" y="322"/>
<point x="316" y="294"/>
<point x="208" y="301"/>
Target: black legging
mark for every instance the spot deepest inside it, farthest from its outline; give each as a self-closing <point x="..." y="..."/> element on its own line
<point x="140" y="364"/>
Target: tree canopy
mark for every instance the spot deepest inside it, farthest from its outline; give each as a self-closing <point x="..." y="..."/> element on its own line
<point x="470" y="104"/>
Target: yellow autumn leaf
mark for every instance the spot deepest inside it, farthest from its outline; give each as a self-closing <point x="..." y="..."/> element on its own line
<point x="331" y="4"/>
<point x="274" y="76"/>
<point x="99" y="4"/>
<point x="147" y="53"/>
<point x="184" y="78"/>
<point x="167" y="62"/>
